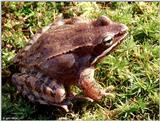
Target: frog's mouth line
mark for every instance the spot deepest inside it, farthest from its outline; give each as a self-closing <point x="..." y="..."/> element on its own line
<point x="117" y="40"/>
<point x="120" y="36"/>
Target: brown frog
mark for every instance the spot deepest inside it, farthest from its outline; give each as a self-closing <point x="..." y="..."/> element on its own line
<point x="63" y="54"/>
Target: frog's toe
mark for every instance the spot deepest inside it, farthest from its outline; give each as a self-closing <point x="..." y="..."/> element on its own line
<point x="110" y="88"/>
<point x="65" y="107"/>
<point x="109" y="94"/>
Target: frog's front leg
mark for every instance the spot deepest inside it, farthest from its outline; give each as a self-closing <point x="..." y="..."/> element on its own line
<point x="90" y="87"/>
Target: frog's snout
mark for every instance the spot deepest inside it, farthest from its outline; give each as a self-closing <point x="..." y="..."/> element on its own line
<point x="124" y="28"/>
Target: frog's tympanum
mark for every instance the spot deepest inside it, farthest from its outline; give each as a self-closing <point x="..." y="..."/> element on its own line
<point x="63" y="54"/>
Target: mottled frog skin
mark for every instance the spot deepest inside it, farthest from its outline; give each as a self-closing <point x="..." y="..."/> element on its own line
<point x="63" y="54"/>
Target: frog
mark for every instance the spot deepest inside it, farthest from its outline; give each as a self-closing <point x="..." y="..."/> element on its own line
<point x="63" y="54"/>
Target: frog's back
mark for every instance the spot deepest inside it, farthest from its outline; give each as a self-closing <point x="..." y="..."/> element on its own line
<point x="57" y="41"/>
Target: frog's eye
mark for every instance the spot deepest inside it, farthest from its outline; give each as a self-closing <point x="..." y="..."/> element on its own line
<point x="108" y="40"/>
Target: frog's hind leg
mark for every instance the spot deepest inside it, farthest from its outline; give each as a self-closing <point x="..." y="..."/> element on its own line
<point x="44" y="91"/>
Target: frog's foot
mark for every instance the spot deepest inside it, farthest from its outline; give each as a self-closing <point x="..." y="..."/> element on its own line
<point x="108" y="92"/>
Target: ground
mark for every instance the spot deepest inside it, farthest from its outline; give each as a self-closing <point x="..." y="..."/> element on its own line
<point x="132" y="69"/>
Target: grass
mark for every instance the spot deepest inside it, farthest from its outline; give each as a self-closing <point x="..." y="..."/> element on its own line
<point x="132" y="69"/>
